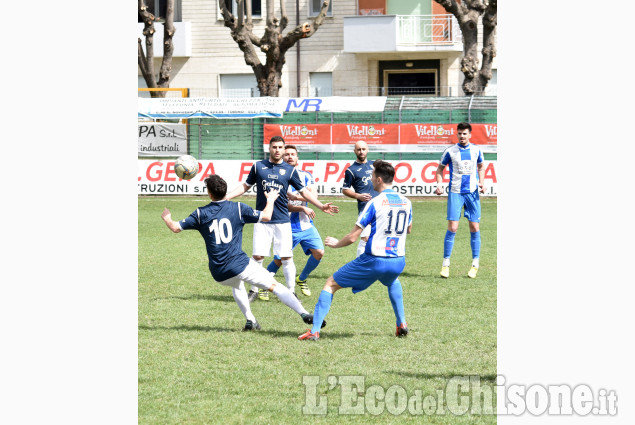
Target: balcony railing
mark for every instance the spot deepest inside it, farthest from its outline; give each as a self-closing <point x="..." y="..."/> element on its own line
<point x="428" y="29"/>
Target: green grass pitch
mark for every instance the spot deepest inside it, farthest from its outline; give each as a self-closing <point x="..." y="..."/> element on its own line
<point x="197" y="367"/>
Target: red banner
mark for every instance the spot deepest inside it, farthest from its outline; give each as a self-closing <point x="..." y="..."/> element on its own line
<point x="380" y="137"/>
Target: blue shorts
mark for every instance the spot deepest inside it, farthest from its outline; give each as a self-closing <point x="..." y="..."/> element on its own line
<point x="363" y="271"/>
<point x="470" y="201"/>
<point x="308" y="239"/>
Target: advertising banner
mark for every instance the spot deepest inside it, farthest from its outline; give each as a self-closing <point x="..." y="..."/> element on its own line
<point x="380" y="137"/>
<point x="209" y="107"/>
<point x="162" y="139"/>
<point x="412" y="178"/>
<point x="334" y="104"/>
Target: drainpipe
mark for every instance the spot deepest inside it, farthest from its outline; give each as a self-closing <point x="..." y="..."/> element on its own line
<point x="469" y="109"/>
<point x="297" y="48"/>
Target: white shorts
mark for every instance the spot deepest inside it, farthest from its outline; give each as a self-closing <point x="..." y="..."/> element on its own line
<point x="254" y="274"/>
<point x="366" y="232"/>
<point x="281" y="236"/>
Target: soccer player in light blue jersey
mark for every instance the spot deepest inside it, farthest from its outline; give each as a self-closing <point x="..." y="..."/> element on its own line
<point x="467" y="172"/>
<point x="389" y="216"/>
<point x="220" y="223"/>
<point x="302" y="227"/>
<point x="277" y="174"/>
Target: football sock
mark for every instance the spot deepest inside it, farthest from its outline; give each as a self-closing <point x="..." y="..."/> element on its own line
<point x="322" y="308"/>
<point x="446" y="262"/>
<point x="240" y="296"/>
<point x="448" y="243"/>
<point x="475" y="242"/>
<point x="288" y="268"/>
<point x="311" y="264"/>
<point x="273" y="267"/>
<point x="395" y="293"/>
<point x="288" y="298"/>
<point x="361" y="247"/>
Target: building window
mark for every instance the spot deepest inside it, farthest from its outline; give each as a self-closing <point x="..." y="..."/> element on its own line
<point x="256" y="8"/>
<point x="316" y="5"/>
<point x="238" y="85"/>
<point x="159" y="7"/>
<point x="321" y="84"/>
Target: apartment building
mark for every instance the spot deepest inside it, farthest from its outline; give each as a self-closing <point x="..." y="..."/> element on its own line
<point x="364" y="47"/>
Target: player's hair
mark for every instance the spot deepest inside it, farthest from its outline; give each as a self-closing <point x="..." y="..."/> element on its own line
<point x="384" y="170"/>
<point x="276" y="139"/>
<point x="216" y="186"/>
<point x="291" y="147"/>
<point x="464" y="126"/>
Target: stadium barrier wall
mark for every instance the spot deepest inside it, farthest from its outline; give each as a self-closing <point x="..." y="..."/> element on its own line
<point x="412" y="178"/>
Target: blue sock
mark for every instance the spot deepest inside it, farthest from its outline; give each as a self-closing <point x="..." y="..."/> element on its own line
<point x="395" y="293"/>
<point x="322" y="308"/>
<point x="273" y="267"/>
<point x="475" y="242"/>
<point x="448" y="243"/>
<point x="311" y="264"/>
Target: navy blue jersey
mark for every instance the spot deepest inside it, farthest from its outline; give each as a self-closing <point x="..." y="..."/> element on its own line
<point x="357" y="177"/>
<point x="221" y="225"/>
<point x="267" y="175"/>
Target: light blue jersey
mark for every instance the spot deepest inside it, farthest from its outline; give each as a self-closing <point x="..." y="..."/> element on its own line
<point x="299" y="220"/>
<point x="463" y="167"/>
<point x="389" y="214"/>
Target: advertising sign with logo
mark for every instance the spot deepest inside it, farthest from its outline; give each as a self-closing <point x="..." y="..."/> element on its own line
<point x="307" y="137"/>
<point x="162" y="139"/>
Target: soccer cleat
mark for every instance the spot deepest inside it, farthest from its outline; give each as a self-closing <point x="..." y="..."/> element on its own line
<point x="251" y="326"/>
<point x="308" y="319"/>
<point x="472" y="272"/>
<point x="252" y="295"/>
<point x="303" y="286"/>
<point x="263" y="295"/>
<point x="402" y="330"/>
<point x="445" y="271"/>
<point x="310" y="336"/>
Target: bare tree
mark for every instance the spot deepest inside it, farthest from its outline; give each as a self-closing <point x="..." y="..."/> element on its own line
<point x="467" y="12"/>
<point x="146" y="60"/>
<point x="273" y="44"/>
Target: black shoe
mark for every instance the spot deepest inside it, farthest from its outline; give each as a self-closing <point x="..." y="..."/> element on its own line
<point x="251" y="326"/>
<point x="252" y="295"/>
<point x="308" y="319"/>
<point x="402" y="330"/>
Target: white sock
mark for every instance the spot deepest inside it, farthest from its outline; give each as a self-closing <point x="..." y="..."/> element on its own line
<point x="288" y="299"/>
<point x="241" y="298"/>
<point x="361" y="247"/>
<point x="254" y="288"/>
<point x="475" y="262"/>
<point x="288" y="268"/>
<point x="446" y="262"/>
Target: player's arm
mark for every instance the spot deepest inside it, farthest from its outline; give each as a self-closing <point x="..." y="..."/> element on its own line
<point x="439" y="178"/>
<point x="267" y="212"/>
<point x="167" y="218"/>
<point x="346" y="240"/>
<point x="244" y="187"/>
<point x="311" y="198"/>
<point x="301" y="208"/>
<point x="481" y="176"/>
<point x="359" y="196"/>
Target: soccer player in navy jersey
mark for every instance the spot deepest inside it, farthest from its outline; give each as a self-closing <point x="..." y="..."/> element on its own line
<point x="389" y="215"/>
<point x="357" y="185"/>
<point x="220" y="223"/>
<point x="274" y="173"/>
<point x="302" y="227"/>
<point x="467" y="172"/>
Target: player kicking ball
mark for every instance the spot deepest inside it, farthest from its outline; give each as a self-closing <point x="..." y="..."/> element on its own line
<point x="383" y="259"/>
<point x="220" y="223"/>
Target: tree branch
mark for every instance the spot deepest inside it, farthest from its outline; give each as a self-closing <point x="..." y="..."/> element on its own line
<point x="305" y="30"/>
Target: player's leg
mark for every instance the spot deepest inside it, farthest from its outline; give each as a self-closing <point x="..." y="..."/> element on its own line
<point x="473" y="215"/>
<point x="313" y="247"/>
<point x="242" y="300"/>
<point x="455" y="203"/>
<point x="322" y="308"/>
<point x="262" y="239"/>
<point x="283" y="247"/>
<point x="390" y="269"/>
<point x="275" y="264"/>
